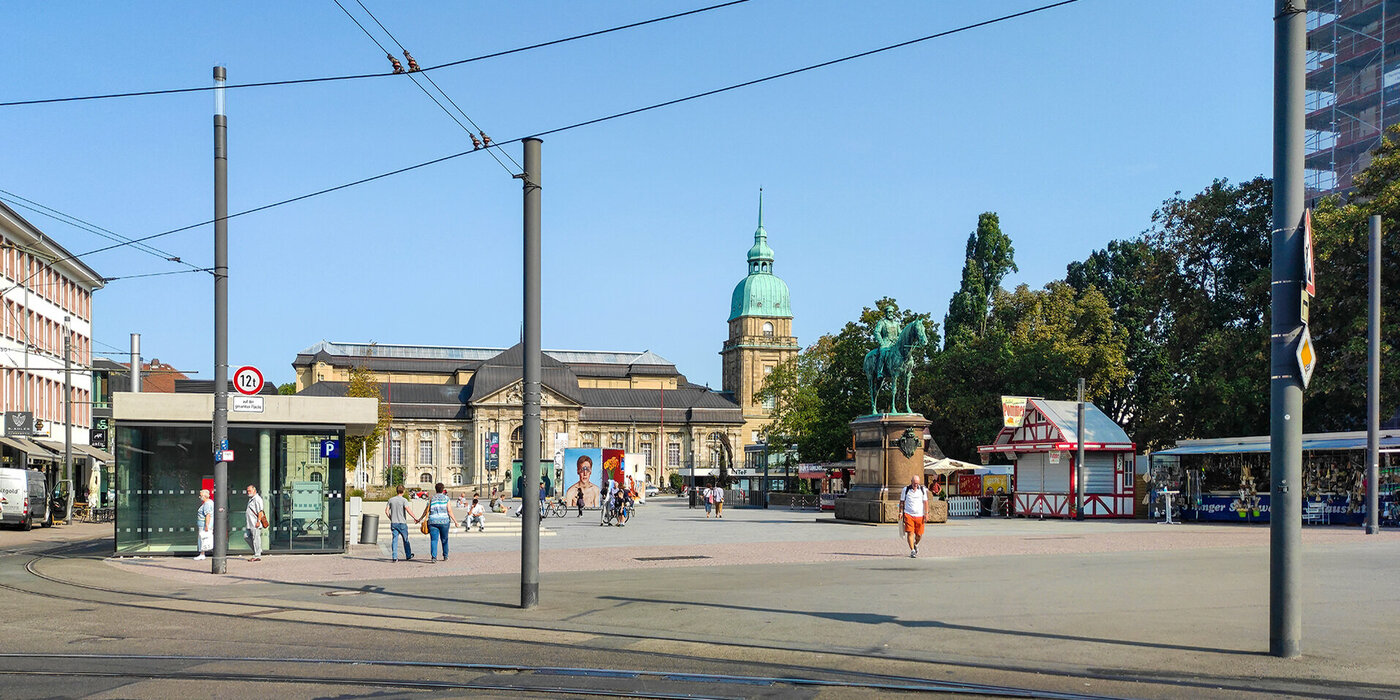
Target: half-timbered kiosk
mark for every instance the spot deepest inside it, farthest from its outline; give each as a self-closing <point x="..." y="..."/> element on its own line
<point x="1043" y="446"/>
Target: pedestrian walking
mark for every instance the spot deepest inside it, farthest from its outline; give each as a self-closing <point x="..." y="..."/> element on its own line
<point x="709" y="496"/>
<point x="255" y="519"/>
<point x="440" y="517"/>
<point x="204" y="520"/>
<point x="718" y="493"/>
<point x="396" y="510"/>
<point x="913" y="505"/>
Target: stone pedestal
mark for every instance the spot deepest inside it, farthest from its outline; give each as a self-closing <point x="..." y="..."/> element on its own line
<point x="889" y="450"/>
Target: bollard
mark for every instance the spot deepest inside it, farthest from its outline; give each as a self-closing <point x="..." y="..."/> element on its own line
<point x="369" y="529"/>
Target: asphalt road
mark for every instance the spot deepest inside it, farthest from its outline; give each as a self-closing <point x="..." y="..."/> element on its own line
<point x="1122" y="621"/>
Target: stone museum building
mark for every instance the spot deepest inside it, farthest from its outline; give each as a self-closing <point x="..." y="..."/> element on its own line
<point x="451" y="405"/>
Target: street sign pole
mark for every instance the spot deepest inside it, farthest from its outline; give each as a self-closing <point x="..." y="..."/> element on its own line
<point x="219" y="565"/>
<point x="530" y="380"/>
<point x="1373" y="381"/>
<point x="1285" y="381"/>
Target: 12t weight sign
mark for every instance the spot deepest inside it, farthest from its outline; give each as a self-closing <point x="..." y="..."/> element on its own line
<point x="248" y="380"/>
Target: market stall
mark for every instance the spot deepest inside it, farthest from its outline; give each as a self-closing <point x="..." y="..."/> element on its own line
<point x="1040" y="437"/>
<point x="1228" y="479"/>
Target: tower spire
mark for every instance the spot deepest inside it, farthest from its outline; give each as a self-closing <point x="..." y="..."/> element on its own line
<point x="760" y="207"/>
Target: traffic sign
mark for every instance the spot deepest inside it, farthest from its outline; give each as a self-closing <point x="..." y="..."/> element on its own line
<point x="1309" y="271"/>
<point x="1307" y="356"/>
<point x="248" y="380"/>
<point x="330" y="449"/>
<point x="226" y="456"/>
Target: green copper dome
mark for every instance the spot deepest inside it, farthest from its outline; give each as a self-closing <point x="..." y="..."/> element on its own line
<point x="762" y="293"/>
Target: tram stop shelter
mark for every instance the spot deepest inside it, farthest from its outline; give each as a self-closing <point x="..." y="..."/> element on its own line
<point x="1042" y="444"/>
<point x="291" y="448"/>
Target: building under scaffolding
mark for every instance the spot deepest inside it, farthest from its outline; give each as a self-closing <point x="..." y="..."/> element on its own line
<point x="1228" y="478"/>
<point x="1353" y="87"/>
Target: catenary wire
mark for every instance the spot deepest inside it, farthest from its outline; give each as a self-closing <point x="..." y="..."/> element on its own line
<point x="577" y="125"/>
<point x="430" y="80"/>
<point x="411" y="75"/>
<point x="88" y="226"/>
<point x="361" y="76"/>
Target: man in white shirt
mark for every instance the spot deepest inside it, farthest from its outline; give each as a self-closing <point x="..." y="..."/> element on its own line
<point x="913" y="505"/>
<point x="476" y="514"/>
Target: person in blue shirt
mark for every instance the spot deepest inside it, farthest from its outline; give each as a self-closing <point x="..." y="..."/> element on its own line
<point x="204" y="520"/>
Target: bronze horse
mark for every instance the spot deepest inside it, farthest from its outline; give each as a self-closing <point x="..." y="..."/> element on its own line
<point x="895" y="366"/>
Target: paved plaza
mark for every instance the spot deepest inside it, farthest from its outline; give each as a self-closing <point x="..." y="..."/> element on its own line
<point x="1115" y="608"/>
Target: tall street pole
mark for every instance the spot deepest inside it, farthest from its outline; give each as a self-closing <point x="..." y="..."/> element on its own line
<point x="530" y="431"/>
<point x="1079" y="458"/>
<point x="220" y="563"/>
<point x="1285" y="377"/>
<point x="68" y="418"/>
<point x="1373" y="382"/>
<point x="136" y="362"/>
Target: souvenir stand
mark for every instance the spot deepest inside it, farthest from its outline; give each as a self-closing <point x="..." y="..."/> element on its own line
<point x="1040" y="437"/>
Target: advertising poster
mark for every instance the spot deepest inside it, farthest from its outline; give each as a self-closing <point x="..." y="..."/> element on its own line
<point x="996" y="483"/>
<point x="1013" y="411"/>
<point x="583" y="469"/>
<point x="613" y="467"/>
<point x="517" y="478"/>
<point x="492" y="446"/>
<point x="970" y="484"/>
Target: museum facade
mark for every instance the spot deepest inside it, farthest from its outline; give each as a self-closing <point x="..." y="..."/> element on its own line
<point x="456" y="411"/>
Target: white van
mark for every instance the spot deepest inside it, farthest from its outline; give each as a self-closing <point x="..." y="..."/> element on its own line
<point x="26" y="495"/>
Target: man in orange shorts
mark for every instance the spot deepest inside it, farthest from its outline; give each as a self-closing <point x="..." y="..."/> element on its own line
<point x="913" y="505"/>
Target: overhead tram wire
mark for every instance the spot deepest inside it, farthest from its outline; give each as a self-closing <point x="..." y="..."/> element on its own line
<point x="411" y="76"/>
<point x="429" y="78"/>
<point x="589" y="122"/>
<point x="44" y="210"/>
<point x="362" y="76"/>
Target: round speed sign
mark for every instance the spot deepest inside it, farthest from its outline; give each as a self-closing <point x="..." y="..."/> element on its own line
<point x="248" y="380"/>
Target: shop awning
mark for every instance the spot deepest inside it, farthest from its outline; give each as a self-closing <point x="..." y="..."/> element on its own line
<point x="1260" y="444"/>
<point x="27" y="446"/>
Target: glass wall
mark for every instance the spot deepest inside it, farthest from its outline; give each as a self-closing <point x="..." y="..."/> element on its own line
<point x="161" y="468"/>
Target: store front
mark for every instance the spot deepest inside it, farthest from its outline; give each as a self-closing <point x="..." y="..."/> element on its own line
<point x="296" y="464"/>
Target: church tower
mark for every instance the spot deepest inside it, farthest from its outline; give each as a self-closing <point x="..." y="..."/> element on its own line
<point x="760" y="333"/>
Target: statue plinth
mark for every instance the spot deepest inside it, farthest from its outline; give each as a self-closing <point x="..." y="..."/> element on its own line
<point x="889" y="450"/>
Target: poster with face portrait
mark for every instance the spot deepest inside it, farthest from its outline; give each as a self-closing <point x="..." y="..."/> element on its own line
<point x="583" y="469"/>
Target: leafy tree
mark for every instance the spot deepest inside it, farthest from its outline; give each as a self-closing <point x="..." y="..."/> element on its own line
<point x="287" y="389"/>
<point x="363" y="385"/>
<point x="1217" y="345"/>
<point x="989" y="257"/>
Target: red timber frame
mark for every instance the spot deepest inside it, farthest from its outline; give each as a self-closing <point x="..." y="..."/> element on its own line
<point x="1039" y="435"/>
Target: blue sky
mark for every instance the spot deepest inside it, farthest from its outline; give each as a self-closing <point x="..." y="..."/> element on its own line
<point x="1073" y="125"/>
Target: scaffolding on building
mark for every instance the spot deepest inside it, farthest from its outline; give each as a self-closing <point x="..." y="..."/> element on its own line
<point x="1353" y="88"/>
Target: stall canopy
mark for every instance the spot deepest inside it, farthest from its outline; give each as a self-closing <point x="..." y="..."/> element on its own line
<point x="947" y="465"/>
<point x="1389" y="439"/>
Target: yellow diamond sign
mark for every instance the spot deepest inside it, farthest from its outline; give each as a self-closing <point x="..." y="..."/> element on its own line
<point x="1307" y="356"/>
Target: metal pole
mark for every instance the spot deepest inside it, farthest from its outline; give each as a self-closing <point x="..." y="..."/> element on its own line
<point x="766" y="457"/>
<point x="1285" y="381"/>
<point x="1079" y="459"/>
<point x="530" y="432"/>
<point x="220" y="562"/>
<point x="68" y="418"/>
<point x="136" y="362"/>
<point x="1373" y="383"/>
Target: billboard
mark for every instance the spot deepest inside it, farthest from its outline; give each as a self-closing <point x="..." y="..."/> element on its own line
<point x="1013" y="411"/>
<point x="583" y="470"/>
<point x="517" y="478"/>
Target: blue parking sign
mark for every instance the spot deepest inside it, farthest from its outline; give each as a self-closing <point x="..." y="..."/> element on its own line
<point x="330" y="448"/>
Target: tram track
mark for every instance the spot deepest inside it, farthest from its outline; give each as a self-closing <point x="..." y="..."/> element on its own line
<point x="738" y="650"/>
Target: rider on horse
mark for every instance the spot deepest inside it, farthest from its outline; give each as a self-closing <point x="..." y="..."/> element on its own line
<point x="886" y="333"/>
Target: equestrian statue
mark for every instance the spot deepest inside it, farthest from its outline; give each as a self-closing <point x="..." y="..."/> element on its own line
<point x="892" y="363"/>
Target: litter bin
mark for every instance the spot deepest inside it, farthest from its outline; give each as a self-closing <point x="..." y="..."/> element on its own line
<point x="369" y="529"/>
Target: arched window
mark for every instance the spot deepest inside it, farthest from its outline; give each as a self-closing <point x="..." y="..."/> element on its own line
<point x="425" y="478"/>
<point x="316" y="476"/>
<point x="517" y="443"/>
<point x="456" y="478"/>
<point x="767" y="329"/>
<point x="618" y="441"/>
<point x="716" y="449"/>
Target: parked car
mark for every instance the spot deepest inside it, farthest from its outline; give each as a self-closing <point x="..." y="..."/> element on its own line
<point x="26" y="494"/>
<point x="652" y="491"/>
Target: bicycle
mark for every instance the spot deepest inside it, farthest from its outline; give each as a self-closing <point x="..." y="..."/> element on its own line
<point x="609" y="514"/>
<point x="554" y="507"/>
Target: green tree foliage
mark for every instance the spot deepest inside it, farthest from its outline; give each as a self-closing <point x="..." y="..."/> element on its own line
<point x="287" y="389"/>
<point x="363" y="385"/>
<point x="1336" y="397"/>
<point x="989" y="257"/>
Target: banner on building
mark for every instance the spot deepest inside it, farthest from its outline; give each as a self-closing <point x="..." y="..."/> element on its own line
<point x="492" y="448"/>
<point x="1013" y="411"/>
